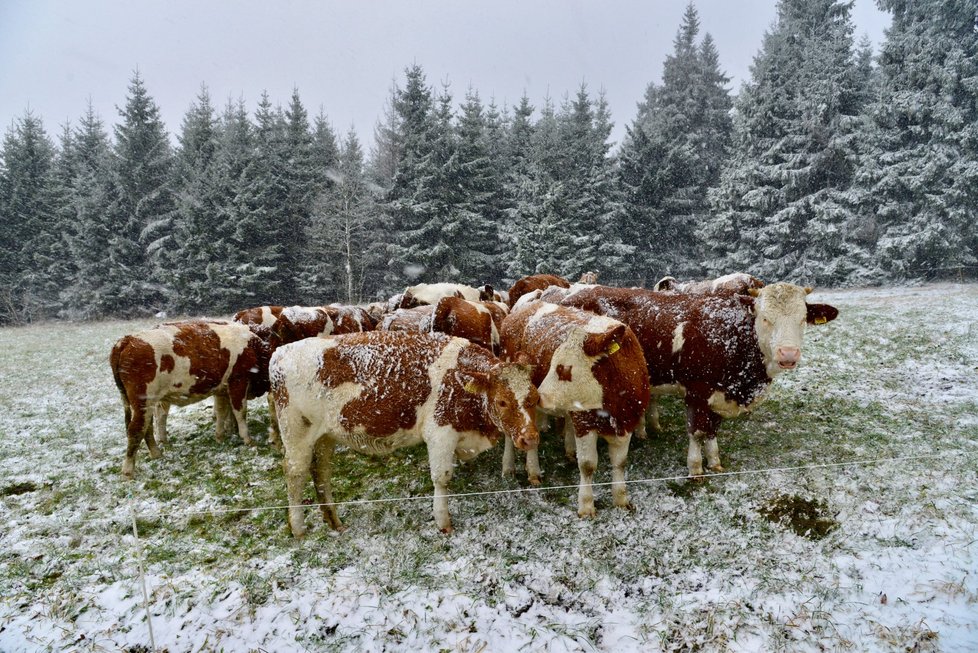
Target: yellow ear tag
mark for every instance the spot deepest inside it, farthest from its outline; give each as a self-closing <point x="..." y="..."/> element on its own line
<point x="470" y="387"/>
<point x="613" y="348"/>
<point x="820" y="320"/>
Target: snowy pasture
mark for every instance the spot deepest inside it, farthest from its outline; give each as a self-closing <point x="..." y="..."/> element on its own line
<point x="847" y="519"/>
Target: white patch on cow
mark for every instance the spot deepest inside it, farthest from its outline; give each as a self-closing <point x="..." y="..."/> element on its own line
<point x="232" y="338"/>
<point x="542" y="311"/>
<point x="430" y="293"/>
<point x="724" y="407"/>
<point x="526" y="299"/>
<point x="267" y="317"/>
<point x="583" y="392"/>
<point x="677" y="338"/>
<point x="577" y="287"/>
<point x="301" y="313"/>
<point x="600" y="324"/>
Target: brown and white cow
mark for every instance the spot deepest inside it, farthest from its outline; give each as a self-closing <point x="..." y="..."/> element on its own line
<point x="590" y="371"/>
<point x="478" y="322"/>
<point x="720" y="352"/>
<point x="182" y="363"/>
<point x="534" y="282"/>
<point x="737" y="283"/>
<point x="260" y="319"/>
<point x="380" y="391"/>
<point x="429" y="293"/>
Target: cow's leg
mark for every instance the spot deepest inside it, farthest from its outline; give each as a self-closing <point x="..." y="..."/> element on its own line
<point x="509" y="458"/>
<point x="533" y="472"/>
<point x="238" y="396"/>
<point x="570" y="440"/>
<point x="701" y="426"/>
<point x="441" y="458"/>
<point x="160" y="414"/>
<point x="136" y="426"/>
<point x="221" y="411"/>
<point x="652" y="415"/>
<point x="322" y="473"/>
<point x="587" y="463"/>
<point x="154" y="450"/>
<point x="712" y="451"/>
<point x="296" y="464"/>
<point x="274" y="438"/>
<point x="618" y="454"/>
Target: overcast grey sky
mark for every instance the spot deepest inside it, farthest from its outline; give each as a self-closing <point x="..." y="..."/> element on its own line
<point x="344" y="55"/>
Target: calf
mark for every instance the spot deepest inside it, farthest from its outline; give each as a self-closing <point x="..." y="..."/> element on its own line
<point x="589" y="370"/>
<point x="534" y="282"/>
<point x="379" y="391"/>
<point x="182" y="363"/>
<point x="720" y="352"/>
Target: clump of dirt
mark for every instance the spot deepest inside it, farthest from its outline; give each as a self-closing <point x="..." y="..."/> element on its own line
<point x="18" y="488"/>
<point x="808" y="518"/>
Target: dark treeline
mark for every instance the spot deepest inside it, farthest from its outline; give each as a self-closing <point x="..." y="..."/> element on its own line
<point x="830" y="167"/>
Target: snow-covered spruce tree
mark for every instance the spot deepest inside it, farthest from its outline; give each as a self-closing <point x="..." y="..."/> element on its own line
<point x="918" y="179"/>
<point x="344" y="228"/>
<point x="673" y="154"/>
<point x="480" y="207"/>
<point x="30" y="225"/>
<point x="234" y="182"/>
<point x="416" y="206"/>
<point x="781" y="208"/>
<point x="303" y="181"/>
<point x="140" y="215"/>
<point x="587" y="177"/>
<point x="520" y="186"/>
<point x="199" y="234"/>
<point x="260" y="228"/>
<point x="88" y="294"/>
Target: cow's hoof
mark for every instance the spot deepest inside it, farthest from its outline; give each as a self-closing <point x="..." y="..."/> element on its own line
<point x="627" y="506"/>
<point x="717" y="469"/>
<point x="535" y="482"/>
<point x="447" y="530"/>
<point x="155" y="453"/>
<point x="696" y="478"/>
<point x="587" y="513"/>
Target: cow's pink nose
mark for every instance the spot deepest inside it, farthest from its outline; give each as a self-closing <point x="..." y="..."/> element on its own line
<point x="788" y="357"/>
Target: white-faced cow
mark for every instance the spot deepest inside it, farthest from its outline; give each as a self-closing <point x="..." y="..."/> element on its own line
<point x="379" y="391"/>
<point x="720" y="352"/>
<point x="182" y="363"/>
<point x="590" y="371"/>
<point x="534" y="282"/>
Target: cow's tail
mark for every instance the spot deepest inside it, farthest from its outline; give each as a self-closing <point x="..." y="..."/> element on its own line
<point x="115" y="359"/>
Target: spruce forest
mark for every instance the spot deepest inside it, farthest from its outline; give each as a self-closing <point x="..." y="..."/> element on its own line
<point x="831" y="166"/>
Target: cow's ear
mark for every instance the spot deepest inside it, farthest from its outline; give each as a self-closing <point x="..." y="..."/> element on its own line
<point x="607" y="343"/>
<point x="476" y="383"/>
<point x="821" y="313"/>
<point x="746" y="300"/>
<point x="753" y="292"/>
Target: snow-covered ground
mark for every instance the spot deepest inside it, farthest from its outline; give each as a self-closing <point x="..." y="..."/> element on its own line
<point x="889" y="391"/>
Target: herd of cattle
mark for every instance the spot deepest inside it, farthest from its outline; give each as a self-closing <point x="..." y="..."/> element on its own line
<point x="458" y="367"/>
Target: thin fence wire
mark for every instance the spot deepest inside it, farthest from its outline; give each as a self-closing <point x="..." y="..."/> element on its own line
<point x="539" y="488"/>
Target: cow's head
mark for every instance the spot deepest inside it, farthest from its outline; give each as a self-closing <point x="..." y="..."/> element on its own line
<point x="781" y="313"/>
<point x="300" y="322"/>
<point x="512" y="401"/>
<point x="570" y="383"/>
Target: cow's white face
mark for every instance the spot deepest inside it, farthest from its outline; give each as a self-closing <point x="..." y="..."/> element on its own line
<point x="781" y="315"/>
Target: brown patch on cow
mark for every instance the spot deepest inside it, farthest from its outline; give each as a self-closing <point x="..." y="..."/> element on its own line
<point x="209" y="361"/>
<point x="133" y="363"/>
<point x="458" y="405"/>
<point x="167" y="363"/>
<point x="534" y="282"/>
<point x="564" y="373"/>
<point x="286" y="331"/>
<point x="350" y="319"/>
<point x="455" y="316"/>
<point x="394" y="373"/>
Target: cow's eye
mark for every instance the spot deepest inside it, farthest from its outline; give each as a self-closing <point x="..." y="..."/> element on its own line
<point x="502" y="403"/>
